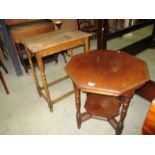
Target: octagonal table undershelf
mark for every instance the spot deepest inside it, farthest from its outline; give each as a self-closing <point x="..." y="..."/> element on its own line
<point x="98" y="106"/>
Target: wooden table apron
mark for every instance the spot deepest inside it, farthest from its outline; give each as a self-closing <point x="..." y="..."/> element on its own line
<point x="46" y="52"/>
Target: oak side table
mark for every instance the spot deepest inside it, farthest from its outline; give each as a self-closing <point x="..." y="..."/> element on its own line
<point x="47" y="44"/>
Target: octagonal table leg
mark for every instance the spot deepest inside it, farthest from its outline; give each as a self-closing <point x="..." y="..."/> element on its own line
<point x="125" y="104"/>
<point x="78" y="105"/>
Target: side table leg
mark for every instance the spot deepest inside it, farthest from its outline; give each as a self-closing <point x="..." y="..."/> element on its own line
<point x="78" y="106"/>
<point x="126" y="102"/>
<point x="29" y="55"/>
<point x="4" y="83"/>
<point x="86" y="45"/>
<point x="42" y="71"/>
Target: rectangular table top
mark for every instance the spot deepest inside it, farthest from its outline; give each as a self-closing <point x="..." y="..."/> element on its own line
<point x="52" y="39"/>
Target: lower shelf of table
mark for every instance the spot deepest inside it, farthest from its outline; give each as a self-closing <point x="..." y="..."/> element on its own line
<point x="102" y="107"/>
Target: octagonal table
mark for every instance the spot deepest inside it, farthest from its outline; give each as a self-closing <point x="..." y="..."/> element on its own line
<point x="110" y="79"/>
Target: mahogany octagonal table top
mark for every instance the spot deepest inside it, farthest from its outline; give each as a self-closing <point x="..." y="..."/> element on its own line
<point x="107" y="72"/>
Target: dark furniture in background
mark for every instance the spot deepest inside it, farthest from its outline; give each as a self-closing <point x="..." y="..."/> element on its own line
<point x="10" y="48"/>
<point x="104" y="35"/>
<point x="88" y="25"/>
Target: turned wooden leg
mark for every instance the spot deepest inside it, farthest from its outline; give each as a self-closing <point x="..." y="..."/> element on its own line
<point x="42" y="71"/>
<point x="126" y="101"/>
<point x="29" y="55"/>
<point x="4" y="83"/>
<point x="78" y="106"/>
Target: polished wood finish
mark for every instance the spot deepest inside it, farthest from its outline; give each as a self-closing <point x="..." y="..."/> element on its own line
<point x="47" y="44"/>
<point x="149" y="123"/>
<point x="110" y="73"/>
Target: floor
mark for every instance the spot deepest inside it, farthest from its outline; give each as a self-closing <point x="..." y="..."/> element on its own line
<point x="24" y="112"/>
